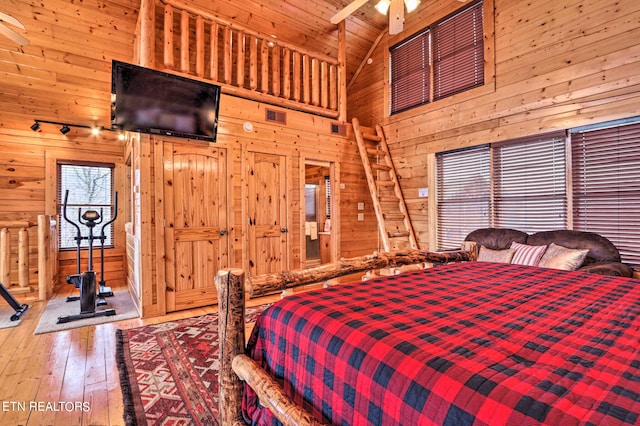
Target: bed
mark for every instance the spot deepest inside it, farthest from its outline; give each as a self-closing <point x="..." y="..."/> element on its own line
<point x="458" y="344"/>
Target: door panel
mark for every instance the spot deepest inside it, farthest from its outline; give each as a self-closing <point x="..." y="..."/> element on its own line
<point x="196" y="223"/>
<point x="268" y="242"/>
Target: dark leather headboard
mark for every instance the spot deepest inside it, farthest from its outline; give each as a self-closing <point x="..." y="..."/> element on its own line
<point x="600" y="248"/>
<point x="497" y="238"/>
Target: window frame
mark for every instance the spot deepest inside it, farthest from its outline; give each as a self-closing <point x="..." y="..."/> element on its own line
<point x="121" y="184"/>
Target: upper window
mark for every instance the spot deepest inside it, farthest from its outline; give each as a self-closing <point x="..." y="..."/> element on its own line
<point x="90" y="187"/>
<point x="444" y="59"/>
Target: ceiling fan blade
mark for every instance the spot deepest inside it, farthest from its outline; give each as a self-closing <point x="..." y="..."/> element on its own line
<point x="348" y="10"/>
<point x="396" y="16"/>
<point x="12" y="35"/>
<point x="11" y="20"/>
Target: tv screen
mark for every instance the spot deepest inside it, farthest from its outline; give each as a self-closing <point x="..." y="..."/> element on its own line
<point x="150" y="101"/>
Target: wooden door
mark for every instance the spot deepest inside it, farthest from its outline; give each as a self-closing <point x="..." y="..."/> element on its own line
<point x="267" y="181"/>
<point x="196" y="241"/>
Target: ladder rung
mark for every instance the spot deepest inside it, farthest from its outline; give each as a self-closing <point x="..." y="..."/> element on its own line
<point x="371" y="137"/>
<point x="373" y="151"/>
<point x="380" y="167"/>
<point x="387" y="198"/>
<point x="386" y="183"/>
<point x="393" y="216"/>
<point x="398" y="234"/>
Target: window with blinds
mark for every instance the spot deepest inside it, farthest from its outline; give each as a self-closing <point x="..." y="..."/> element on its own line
<point x="463" y="188"/>
<point x="90" y="187"/>
<point x="410" y="73"/>
<point x="441" y="60"/>
<point x="458" y="53"/>
<point x="529" y="183"/>
<point x="606" y="185"/>
<point x="327" y="195"/>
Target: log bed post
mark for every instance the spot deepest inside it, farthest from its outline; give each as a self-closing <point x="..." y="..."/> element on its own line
<point x="230" y="287"/>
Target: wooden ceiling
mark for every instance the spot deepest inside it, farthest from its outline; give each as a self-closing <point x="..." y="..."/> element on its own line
<point x="305" y="23"/>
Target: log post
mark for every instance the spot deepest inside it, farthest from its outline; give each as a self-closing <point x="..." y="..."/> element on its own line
<point x="23" y="257"/>
<point x="5" y="256"/>
<point x="230" y="287"/>
<point x="342" y="71"/>
<point x="168" y="37"/>
<point x="45" y="281"/>
<point x="146" y="43"/>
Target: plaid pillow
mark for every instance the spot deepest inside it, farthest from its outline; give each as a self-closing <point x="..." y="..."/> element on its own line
<point x="526" y="254"/>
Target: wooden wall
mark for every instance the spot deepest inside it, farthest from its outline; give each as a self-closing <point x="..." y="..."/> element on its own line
<point x="64" y="75"/>
<point x="558" y="64"/>
<point x="304" y="137"/>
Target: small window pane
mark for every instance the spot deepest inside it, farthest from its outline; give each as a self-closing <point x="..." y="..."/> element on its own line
<point x="90" y="188"/>
<point x="458" y="53"/>
<point x="410" y="71"/>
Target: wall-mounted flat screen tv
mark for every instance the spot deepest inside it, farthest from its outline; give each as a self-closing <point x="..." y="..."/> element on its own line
<point x="149" y="101"/>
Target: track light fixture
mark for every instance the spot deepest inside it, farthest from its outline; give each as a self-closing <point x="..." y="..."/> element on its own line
<point x="65" y="127"/>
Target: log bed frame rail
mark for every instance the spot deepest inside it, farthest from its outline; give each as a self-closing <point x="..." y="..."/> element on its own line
<point x="236" y="367"/>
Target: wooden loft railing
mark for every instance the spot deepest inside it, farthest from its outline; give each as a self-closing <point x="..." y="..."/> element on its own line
<point x="174" y="36"/>
<point x="47" y="244"/>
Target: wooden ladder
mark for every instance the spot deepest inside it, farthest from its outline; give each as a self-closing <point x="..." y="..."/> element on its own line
<point x="393" y="219"/>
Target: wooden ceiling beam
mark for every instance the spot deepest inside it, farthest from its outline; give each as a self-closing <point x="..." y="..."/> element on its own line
<point x="348" y="10"/>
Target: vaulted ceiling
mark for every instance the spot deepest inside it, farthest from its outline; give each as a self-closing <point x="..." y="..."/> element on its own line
<point x="64" y="73"/>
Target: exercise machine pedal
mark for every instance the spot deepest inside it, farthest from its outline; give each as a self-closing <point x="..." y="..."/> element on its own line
<point x="17" y="307"/>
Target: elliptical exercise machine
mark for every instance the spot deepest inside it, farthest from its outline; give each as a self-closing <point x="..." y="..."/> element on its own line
<point x="90" y="296"/>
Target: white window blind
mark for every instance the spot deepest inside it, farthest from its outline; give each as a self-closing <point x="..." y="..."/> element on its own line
<point x="463" y="194"/>
<point x="529" y="181"/>
<point x="606" y="185"/>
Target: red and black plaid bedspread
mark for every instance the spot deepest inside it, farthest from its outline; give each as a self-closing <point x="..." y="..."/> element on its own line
<point x="460" y="344"/>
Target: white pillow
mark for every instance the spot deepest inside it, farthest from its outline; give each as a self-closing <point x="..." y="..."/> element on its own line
<point x="490" y="255"/>
<point x="559" y="257"/>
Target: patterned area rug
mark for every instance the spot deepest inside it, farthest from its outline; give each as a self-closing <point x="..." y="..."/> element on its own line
<point x="169" y="371"/>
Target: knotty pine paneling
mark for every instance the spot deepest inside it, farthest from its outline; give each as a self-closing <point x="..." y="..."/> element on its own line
<point x="558" y="64"/>
<point x="303" y="137"/>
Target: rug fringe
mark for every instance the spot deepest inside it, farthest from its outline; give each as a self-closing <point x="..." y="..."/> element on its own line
<point x="129" y="414"/>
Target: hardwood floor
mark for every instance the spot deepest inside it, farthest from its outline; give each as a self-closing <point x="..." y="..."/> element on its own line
<point x="69" y="377"/>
